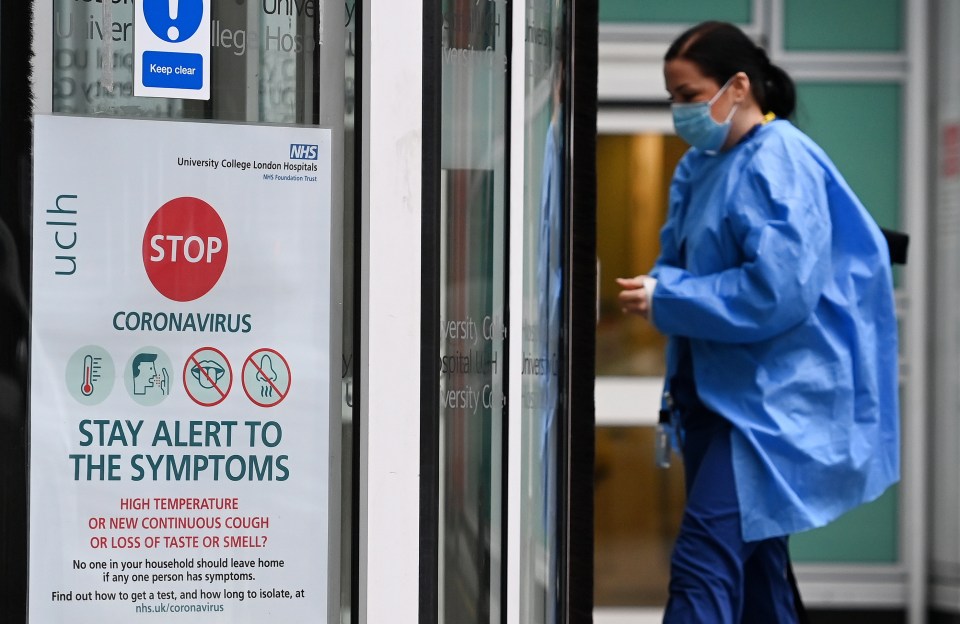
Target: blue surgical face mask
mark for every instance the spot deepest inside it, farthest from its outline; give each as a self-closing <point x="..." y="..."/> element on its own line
<point x="696" y="126"/>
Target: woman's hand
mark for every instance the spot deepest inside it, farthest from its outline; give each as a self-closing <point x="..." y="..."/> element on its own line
<point x="634" y="298"/>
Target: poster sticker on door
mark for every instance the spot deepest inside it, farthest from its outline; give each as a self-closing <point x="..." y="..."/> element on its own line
<point x="185" y="248"/>
<point x="172" y="49"/>
<point x="147" y="376"/>
<point x="183" y="255"/>
<point x="266" y="377"/>
<point x="90" y="375"/>
<point x="207" y="376"/>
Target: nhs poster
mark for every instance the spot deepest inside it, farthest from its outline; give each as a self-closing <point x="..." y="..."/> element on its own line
<point x="180" y="372"/>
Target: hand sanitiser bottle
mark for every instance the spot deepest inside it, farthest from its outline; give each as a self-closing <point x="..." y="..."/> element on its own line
<point x="663" y="439"/>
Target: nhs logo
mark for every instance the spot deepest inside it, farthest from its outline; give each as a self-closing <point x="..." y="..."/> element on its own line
<point x="302" y="151"/>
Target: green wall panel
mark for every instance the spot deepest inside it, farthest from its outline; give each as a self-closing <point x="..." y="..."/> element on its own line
<point x="867" y="534"/>
<point x="848" y="25"/>
<point x="858" y="125"/>
<point x="676" y="11"/>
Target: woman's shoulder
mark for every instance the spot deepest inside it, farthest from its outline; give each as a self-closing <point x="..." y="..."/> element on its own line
<point x="782" y="147"/>
<point x="782" y="161"/>
<point x="781" y="135"/>
<point x="769" y="150"/>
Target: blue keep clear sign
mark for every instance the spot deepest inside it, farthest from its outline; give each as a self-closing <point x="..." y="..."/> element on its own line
<point x="172" y="48"/>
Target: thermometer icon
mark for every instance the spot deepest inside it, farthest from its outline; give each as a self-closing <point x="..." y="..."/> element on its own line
<point x="89" y="375"/>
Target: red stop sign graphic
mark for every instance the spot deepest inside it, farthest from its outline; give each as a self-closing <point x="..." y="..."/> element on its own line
<point x="185" y="248"/>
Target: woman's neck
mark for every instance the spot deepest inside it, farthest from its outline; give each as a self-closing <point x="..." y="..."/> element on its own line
<point x="748" y="116"/>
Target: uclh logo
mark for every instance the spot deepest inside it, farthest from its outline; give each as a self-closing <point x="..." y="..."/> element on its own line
<point x="302" y="151"/>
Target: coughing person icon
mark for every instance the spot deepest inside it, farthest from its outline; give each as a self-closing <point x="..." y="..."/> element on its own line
<point x="148" y="377"/>
<point x="144" y="369"/>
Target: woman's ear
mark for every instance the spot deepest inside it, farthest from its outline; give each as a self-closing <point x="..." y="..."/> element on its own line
<point x="741" y="87"/>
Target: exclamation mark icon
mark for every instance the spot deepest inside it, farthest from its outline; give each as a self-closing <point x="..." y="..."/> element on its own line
<point x="173" y="32"/>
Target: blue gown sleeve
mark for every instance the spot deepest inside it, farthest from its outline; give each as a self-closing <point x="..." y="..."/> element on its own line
<point x="779" y="217"/>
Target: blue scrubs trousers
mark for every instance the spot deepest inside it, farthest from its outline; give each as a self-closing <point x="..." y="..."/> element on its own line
<point x="715" y="576"/>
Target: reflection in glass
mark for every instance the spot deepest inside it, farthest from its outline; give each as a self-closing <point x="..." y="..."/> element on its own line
<point x="93" y="62"/>
<point x="349" y="442"/>
<point x="633" y="179"/>
<point x="637" y="515"/>
<point x="542" y="309"/>
<point x="265" y="63"/>
<point x="472" y="296"/>
<point x="637" y="505"/>
<point x="468" y="370"/>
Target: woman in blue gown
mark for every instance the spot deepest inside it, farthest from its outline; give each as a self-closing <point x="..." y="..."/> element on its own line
<point x="774" y="287"/>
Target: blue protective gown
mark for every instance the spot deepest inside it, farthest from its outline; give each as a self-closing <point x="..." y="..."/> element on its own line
<point x="781" y="281"/>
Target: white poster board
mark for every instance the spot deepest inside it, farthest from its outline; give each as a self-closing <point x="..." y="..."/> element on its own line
<point x="180" y="380"/>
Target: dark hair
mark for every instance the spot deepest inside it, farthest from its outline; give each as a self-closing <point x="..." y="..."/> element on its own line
<point x="721" y="50"/>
